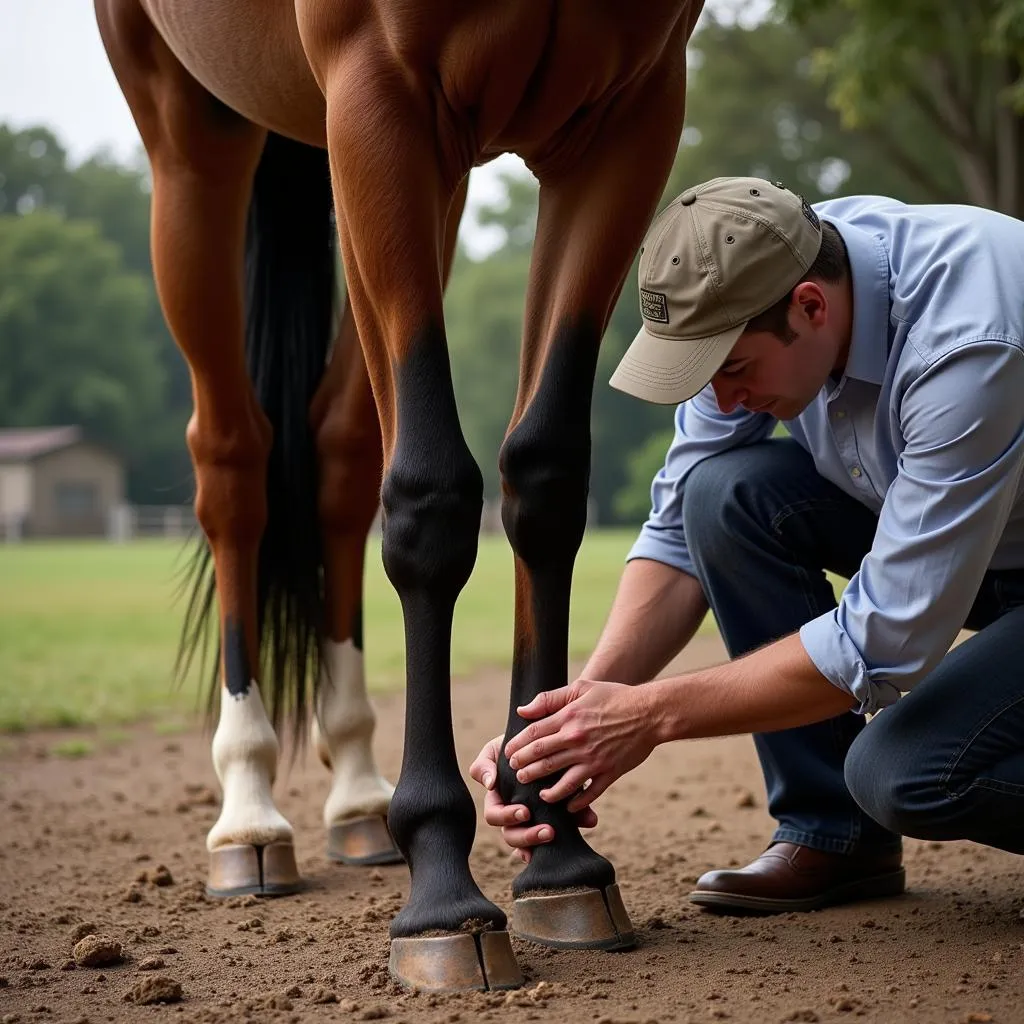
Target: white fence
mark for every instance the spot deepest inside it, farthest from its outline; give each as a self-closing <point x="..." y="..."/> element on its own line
<point x="126" y="522"/>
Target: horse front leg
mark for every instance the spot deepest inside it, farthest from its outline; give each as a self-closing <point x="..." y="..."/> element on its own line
<point x="393" y="199"/>
<point x="349" y="442"/>
<point x="591" y="220"/>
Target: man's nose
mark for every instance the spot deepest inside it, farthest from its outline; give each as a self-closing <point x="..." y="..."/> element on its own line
<point x="727" y="394"/>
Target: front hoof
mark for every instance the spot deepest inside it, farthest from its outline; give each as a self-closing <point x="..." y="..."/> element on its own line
<point x="584" y="919"/>
<point x="246" y="870"/>
<point x="362" y="842"/>
<point x="478" y="961"/>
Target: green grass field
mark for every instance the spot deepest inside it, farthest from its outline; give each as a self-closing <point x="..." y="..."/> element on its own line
<point x="88" y="630"/>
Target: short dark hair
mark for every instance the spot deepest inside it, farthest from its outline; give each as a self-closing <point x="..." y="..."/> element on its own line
<point x="831" y="265"/>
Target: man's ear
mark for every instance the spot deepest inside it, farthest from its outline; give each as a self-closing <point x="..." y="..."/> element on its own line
<point x="809" y="304"/>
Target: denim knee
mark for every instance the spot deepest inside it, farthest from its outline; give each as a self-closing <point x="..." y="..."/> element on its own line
<point x="895" y="788"/>
<point x="715" y="503"/>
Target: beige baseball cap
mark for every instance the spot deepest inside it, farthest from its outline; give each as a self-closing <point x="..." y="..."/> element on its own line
<point x="718" y="255"/>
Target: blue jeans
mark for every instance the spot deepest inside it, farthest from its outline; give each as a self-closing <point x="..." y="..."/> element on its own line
<point x="946" y="761"/>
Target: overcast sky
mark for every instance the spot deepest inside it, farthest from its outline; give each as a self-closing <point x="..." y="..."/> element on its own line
<point x="53" y="71"/>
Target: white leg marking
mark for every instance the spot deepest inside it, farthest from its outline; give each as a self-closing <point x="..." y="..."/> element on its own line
<point x="342" y="734"/>
<point x="245" y="753"/>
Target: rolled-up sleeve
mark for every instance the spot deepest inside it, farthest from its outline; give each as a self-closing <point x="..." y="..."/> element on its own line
<point x="701" y="430"/>
<point x="958" y="476"/>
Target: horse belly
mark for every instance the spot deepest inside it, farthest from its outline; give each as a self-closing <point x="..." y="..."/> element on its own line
<point x="248" y="54"/>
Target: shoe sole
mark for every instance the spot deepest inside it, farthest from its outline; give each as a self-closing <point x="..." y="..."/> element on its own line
<point x="892" y="884"/>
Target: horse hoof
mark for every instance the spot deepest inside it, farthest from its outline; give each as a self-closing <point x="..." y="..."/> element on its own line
<point x="587" y="919"/>
<point x="253" y="870"/>
<point x="362" y="841"/>
<point x="479" y="961"/>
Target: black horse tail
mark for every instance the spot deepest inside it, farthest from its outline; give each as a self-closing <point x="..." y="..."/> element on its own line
<point x="290" y="298"/>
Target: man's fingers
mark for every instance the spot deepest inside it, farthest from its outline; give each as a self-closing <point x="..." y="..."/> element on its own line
<point x="582" y="801"/>
<point x="572" y="781"/>
<point x="533" y="732"/>
<point x="496" y="812"/>
<point x="538" y="763"/>
<point x="524" y="838"/>
<point x="587" y="818"/>
<point x="545" y="703"/>
<point x="485" y="768"/>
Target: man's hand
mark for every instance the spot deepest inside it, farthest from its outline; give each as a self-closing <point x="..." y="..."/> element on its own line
<point x="512" y="819"/>
<point x="596" y="731"/>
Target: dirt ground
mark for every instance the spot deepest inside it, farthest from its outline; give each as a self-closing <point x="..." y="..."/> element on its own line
<point x="84" y="844"/>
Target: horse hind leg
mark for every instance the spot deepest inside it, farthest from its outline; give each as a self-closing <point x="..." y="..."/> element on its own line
<point x="348" y="442"/>
<point x="204" y="159"/>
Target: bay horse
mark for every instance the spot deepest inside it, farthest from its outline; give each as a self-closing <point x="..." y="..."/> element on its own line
<point x="261" y="119"/>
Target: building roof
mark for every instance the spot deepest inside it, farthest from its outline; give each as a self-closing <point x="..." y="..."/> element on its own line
<point x="19" y="445"/>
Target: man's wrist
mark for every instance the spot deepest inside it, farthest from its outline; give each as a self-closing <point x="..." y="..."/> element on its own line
<point x="664" y="709"/>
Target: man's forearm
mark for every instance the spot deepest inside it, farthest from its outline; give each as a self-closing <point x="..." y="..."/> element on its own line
<point x="656" y="611"/>
<point x="775" y="687"/>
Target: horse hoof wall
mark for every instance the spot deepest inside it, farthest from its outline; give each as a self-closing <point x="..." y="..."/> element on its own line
<point x="246" y="870"/>
<point x="482" y="961"/>
<point x="588" y="919"/>
<point x="362" y="842"/>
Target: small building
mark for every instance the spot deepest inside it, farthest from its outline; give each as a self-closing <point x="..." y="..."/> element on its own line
<point x="55" y="483"/>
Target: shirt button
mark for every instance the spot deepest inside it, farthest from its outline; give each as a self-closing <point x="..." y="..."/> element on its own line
<point x="840" y="414"/>
<point x="855" y="472"/>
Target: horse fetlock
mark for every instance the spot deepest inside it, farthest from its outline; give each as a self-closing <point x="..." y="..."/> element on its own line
<point x="433" y="814"/>
<point x="244" y="735"/>
<point x="356" y="795"/>
<point x="248" y="815"/>
<point x="343" y="736"/>
<point x="245" y="751"/>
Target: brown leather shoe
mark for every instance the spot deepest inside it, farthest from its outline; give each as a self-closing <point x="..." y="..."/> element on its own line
<point x="787" y="877"/>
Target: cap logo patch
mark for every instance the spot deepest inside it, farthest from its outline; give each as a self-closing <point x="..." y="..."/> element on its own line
<point x="654" y="306"/>
<point x="805" y="208"/>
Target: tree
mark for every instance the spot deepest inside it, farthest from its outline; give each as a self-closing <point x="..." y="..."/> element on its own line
<point x="959" y="65"/>
<point x="755" y="106"/>
<point x="484" y="315"/>
<point x="35" y="175"/>
<point x="33" y="171"/>
<point x="633" y="500"/>
<point x="73" y="345"/>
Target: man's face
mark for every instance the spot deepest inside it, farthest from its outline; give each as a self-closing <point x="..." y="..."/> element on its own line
<point x="765" y="374"/>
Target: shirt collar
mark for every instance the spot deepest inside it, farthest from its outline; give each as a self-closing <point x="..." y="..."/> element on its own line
<point x="869" y="268"/>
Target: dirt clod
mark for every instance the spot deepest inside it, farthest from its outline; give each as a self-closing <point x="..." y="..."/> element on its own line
<point x="97" y="951"/>
<point x="81" y="930"/>
<point x="158" y="989"/>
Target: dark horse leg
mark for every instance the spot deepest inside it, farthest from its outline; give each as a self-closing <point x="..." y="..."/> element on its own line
<point x="393" y="196"/>
<point x="581" y="255"/>
<point x="350" y="454"/>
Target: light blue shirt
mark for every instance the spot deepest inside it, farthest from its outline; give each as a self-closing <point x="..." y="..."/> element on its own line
<point x="926" y="428"/>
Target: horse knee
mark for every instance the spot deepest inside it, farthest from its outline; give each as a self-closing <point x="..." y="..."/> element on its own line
<point x="432" y="494"/>
<point x="544" y="490"/>
<point x="231" y="468"/>
<point x="350" y="476"/>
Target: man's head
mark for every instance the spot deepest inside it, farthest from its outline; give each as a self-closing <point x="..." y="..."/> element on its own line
<point x="740" y="285"/>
